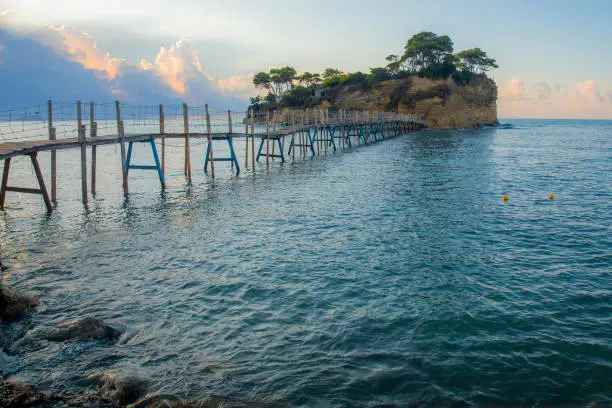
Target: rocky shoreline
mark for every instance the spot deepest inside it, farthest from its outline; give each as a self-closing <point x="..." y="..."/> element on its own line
<point x="107" y="391"/>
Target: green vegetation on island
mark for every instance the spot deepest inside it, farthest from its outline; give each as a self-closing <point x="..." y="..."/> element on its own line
<point x="426" y="55"/>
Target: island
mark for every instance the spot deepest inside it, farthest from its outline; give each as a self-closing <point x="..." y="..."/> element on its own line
<point x="429" y="80"/>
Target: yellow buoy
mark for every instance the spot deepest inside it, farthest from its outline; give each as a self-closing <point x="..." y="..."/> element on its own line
<point x="551" y="196"/>
<point x="505" y="197"/>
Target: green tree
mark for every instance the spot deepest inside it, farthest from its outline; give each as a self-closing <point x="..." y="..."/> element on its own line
<point x="310" y="80"/>
<point x="474" y="61"/>
<point x="298" y="96"/>
<point x="331" y="72"/>
<point x="395" y="63"/>
<point x="282" y="78"/>
<point x="377" y="75"/>
<point x="277" y="81"/>
<point x="426" y="50"/>
<point x="262" y="80"/>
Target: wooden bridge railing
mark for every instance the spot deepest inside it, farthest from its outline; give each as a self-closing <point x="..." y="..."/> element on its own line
<point x="53" y="127"/>
<point x="57" y="121"/>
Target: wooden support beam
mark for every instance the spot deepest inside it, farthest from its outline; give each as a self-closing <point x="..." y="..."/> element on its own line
<point x="81" y="137"/>
<point x="41" y="182"/>
<point x="187" y="150"/>
<point x="52" y="136"/>
<point x="26" y="190"/>
<point x="229" y="128"/>
<point x="120" y="132"/>
<point x="252" y="140"/>
<point x="162" y="132"/>
<point x="5" y="175"/>
<point x="268" y="138"/>
<point x="210" y="144"/>
<point x="93" y="132"/>
<point x="246" y="146"/>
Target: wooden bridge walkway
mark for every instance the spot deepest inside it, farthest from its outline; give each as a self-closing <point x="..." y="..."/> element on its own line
<point x="27" y="132"/>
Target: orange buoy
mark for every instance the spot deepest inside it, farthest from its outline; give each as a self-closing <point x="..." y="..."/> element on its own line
<point x="505" y="197"/>
<point x="551" y="196"/>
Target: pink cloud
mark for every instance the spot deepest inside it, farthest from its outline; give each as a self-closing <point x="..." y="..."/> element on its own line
<point x="543" y="91"/>
<point x="581" y="100"/>
<point x="514" y="90"/>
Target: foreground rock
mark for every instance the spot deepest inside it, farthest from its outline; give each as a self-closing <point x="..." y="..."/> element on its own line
<point x="121" y="389"/>
<point x="13" y="304"/>
<point x="85" y="329"/>
<point x="13" y="396"/>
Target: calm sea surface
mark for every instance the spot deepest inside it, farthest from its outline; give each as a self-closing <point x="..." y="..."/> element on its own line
<point x="390" y="274"/>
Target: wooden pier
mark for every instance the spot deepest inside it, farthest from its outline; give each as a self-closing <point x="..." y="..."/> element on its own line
<point x="279" y="135"/>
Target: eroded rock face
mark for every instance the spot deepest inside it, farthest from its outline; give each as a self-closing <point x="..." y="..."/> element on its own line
<point x="13" y="304"/>
<point x="85" y="329"/>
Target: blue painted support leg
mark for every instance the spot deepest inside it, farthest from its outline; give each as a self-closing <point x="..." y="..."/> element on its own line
<point x="207" y="157"/>
<point x="280" y="150"/>
<point x="312" y="138"/>
<point x="347" y="136"/>
<point x="291" y="144"/>
<point x="259" y="150"/>
<point x="332" y="142"/>
<point x="157" y="164"/>
<point x="234" y="159"/>
<point x="129" y="157"/>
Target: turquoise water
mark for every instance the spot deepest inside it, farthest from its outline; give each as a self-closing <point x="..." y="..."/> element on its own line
<point x="390" y="274"/>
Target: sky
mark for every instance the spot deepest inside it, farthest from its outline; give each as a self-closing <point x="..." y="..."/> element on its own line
<point x="555" y="57"/>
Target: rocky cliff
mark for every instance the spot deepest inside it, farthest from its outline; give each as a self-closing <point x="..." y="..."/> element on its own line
<point x="443" y="103"/>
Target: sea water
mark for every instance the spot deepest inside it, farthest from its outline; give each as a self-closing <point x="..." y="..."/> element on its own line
<point x="392" y="273"/>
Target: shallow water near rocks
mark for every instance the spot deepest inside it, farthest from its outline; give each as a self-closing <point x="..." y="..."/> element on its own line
<point x="389" y="274"/>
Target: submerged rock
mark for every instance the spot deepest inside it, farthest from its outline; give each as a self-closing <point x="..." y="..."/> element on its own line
<point x="84" y="329"/>
<point x="13" y="304"/>
<point x="122" y="389"/>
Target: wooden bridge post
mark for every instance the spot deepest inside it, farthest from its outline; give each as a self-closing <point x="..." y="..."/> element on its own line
<point x="293" y="132"/>
<point x="341" y="120"/>
<point x="274" y="119"/>
<point x="41" y="182"/>
<point x="302" y="131"/>
<point x="162" y="132"/>
<point x="81" y="137"/>
<point x="210" y="144"/>
<point x="52" y="136"/>
<point x="187" y="151"/>
<point x="268" y="138"/>
<point x="303" y="142"/>
<point x="246" y="138"/>
<point x="252" y="140"/>
<point x="230" y="130"/>
<point x="93" y="132"/>
<point x="121" y="134"/>
<point x="5" y="174"/>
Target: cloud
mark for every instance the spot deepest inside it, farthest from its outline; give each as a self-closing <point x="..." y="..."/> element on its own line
<point x="241" y="85"/>
<point x="581" y="100"/>
<point x="31" y="73"/>
<point x="175" y="74"/>
<point x="543" y="91"/>
<point x="81" y="48"/>
<point x="514" y="90"/>
<point x="177" y="65"/>
<point x="589" y="90"/>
